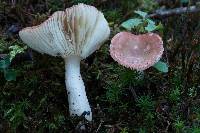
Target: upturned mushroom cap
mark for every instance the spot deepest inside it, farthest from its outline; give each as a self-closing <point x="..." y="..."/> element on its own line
<point x="137" y="52"/>
<point x="80" y="30"/>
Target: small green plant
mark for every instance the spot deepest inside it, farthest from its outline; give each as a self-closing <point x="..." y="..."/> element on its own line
<point x="130" y="78"/>
<point x="195" y="129"/>
<point x="113" y="15"/>
<point x="145" y="103"/>
<point x="16" y="114"/>
<point x="142" y="130"/>
<point x="54" y="5"/>
<point x="148" y="4"/>
<point x="179" y="126"/>
<point x="3" y="47"/>
<point x="174" y="95"/>
<point x="9" y="74"/>
<point x="192" y="92"/>
<point x="142" y="24"/>
<point x="124" y="130"/>
<point x="113" y="93"/>
<point x="58" y="122"/>
<point x="16" y="49"/>
<point x="147" y="106"/>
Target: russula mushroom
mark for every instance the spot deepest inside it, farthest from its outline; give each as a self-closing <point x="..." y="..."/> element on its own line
<point x="73" y="34"/>
<point x="137" y="52"/>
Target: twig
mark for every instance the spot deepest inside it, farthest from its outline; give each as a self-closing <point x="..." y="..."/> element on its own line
<point x="175" y="11"/>
<point x="133" y="93"/>
<point x="167" y="128"/>
<point x="99" y="127"/>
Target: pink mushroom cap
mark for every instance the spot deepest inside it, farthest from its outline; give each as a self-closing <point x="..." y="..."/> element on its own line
<point x="137" y="52"/>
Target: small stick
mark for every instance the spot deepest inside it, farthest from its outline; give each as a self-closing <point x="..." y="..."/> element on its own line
<point x="99" y="127"/>
<point x="133" y="93"/>
<point x="175" y="11"/>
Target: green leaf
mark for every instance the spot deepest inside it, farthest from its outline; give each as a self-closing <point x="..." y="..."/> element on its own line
<point x="131" y="23"/>
<point x="16" y="50"/>
<point x="150" y="27"/>
<point x="141" y="13"/>
<point x="184" y="1"/>
<point x="2" y="64"/>
<point x="10" y="75"/>
<point x="161" y="66"/>
<point x="160" y="27"/>
<point x="150" y="21"/>
<point x="5" y="62"/>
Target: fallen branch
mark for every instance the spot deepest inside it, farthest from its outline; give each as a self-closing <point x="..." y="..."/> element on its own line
<point x="176" y="11"/>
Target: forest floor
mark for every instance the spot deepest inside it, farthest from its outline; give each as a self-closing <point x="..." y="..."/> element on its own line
<point x="122" y="100"/>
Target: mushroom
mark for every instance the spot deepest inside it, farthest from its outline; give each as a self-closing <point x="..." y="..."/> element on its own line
<point x="137" y="52"/>
<point x="73" y="34"/>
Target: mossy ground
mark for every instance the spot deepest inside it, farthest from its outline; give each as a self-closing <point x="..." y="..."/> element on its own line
<point x="122" y="100"/>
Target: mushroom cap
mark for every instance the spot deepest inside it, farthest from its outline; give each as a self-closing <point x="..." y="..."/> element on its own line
<point x="79" y="30"/>
<point x="137" y="52"/>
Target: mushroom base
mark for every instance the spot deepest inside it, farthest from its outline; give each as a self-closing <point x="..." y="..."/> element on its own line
<point x="78" y="102"/>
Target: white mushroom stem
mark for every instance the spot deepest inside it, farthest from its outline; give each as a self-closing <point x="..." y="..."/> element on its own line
<point x="78" y="102"/>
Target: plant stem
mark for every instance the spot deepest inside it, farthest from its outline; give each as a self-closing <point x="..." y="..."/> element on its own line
<point x="78" y="102"/>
